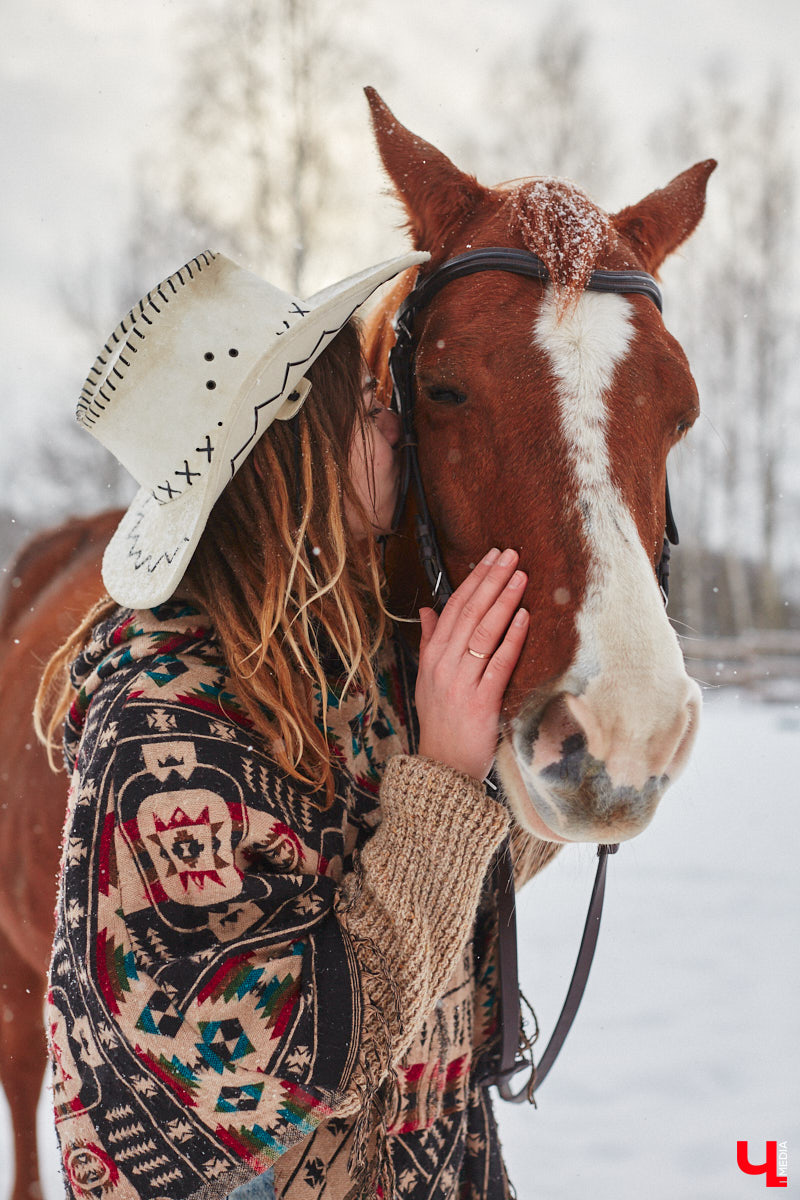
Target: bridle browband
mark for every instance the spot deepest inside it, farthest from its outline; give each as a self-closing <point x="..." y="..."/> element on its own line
<point x="401" y="365"/>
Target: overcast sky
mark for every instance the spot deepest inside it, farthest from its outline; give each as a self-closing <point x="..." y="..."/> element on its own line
<point x="86" y="85"/>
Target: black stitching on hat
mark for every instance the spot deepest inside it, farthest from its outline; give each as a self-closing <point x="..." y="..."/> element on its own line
<point x="187" y="472"/>
<point x="210" y="384"/>
<point x="208" y="356"/>
<point x="99" y="370"/>
<point x="233" y="352"/>
<point x="323" y="339"/>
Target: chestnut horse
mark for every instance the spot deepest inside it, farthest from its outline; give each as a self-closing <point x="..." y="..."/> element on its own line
<point x="544" y="417"/>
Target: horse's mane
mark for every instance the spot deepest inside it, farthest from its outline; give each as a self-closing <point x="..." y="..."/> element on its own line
<point x="559" y="223"/>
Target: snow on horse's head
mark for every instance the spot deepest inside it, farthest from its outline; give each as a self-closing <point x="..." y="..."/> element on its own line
<point x="544" y="417"/>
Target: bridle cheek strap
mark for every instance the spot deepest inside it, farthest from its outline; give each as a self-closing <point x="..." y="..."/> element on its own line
<point x="515" y="1053"/>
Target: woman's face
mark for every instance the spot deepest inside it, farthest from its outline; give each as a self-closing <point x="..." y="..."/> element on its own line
<point x="374" y="466"/>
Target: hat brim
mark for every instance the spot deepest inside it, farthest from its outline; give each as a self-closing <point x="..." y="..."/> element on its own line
<point x="150" y="550"/>
<point x="151" y="547"/>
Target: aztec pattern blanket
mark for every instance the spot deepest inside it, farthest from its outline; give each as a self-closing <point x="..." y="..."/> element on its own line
<point x="239" y="977"/>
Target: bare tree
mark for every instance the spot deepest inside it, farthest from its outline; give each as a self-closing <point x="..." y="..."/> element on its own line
<point x="243" y="165"/>
<point x="547" y="118"/>
<point x="250" y="152"/>
<point x="738" y="324"/>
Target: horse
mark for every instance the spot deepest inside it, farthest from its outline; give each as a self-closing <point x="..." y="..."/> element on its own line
<point x="544" y="413"/>
<point x="48" y="586"/>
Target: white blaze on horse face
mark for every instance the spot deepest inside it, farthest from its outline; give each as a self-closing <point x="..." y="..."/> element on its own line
<point x="624" y="716"/>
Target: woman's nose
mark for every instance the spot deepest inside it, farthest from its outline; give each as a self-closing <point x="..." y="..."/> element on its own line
<point x="390" y="426"/>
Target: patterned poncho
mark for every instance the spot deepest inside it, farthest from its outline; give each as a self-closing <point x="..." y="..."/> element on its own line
<point x="242" y="981"/>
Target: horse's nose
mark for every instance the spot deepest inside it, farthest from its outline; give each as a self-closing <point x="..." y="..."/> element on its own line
<point x="634" y="743"/>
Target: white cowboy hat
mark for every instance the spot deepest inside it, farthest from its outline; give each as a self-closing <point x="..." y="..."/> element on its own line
<point x="183" y="389"/>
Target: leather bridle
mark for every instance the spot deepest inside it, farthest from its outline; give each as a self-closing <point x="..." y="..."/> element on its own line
<point x="401" y="364"/>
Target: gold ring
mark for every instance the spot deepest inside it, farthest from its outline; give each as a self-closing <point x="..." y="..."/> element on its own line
<point x="475" y="653"/>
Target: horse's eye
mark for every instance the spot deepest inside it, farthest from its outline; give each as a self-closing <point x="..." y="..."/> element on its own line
<point x="441" y="395"/>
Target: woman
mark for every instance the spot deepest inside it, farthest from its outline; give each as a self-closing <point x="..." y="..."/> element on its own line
<point x="273" y="943"/>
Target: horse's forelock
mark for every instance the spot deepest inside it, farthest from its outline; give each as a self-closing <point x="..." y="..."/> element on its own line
<point x="559" y="223"/>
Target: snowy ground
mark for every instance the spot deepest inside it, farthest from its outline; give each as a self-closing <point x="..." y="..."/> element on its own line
<point x="687" y="1040"/>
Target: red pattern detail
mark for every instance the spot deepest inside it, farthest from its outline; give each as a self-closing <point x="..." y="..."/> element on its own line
<point x="89" y="1169"/>
<point x="103" y="976"/>
<point x="307" y="1099"/>
<point x="285" y="1015"/>
<point x="179" y="641"/>
<point x="241" y="1149"/>
<point x="103" y="873"/>
<point x="183" y="1093"/>
<point x="214" y="709"/>
<point x="215" y="985"/>
<point x="179" y="820"/>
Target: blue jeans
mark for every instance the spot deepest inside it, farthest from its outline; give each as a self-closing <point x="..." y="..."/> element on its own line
<point x="260" y="1188"/>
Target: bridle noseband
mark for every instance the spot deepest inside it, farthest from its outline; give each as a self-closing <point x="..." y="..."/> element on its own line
<point x="401" y="365"/>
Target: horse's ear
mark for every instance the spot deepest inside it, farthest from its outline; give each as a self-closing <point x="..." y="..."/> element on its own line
<point x="658" y="224"/>
<point x="435" y="193"/>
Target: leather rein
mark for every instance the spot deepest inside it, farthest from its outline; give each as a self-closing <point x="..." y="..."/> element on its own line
<point x="512" y="1058"/>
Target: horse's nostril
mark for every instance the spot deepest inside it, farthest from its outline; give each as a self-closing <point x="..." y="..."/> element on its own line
<point x="560" y="734"/>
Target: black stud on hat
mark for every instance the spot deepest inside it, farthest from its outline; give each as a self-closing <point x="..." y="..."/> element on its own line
<point x="183" y="389"/>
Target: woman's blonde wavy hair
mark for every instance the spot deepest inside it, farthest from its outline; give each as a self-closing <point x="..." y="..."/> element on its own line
<point x="282" y="577"/>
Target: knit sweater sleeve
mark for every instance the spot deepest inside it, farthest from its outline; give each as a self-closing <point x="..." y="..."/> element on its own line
<point x="411" y="907"/>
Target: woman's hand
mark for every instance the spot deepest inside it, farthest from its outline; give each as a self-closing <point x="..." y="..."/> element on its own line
<point x="465" y="664"/>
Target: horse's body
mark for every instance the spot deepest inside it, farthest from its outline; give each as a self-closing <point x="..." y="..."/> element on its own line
<point x="48" y="587"/>
<point x="565" y="404"/>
